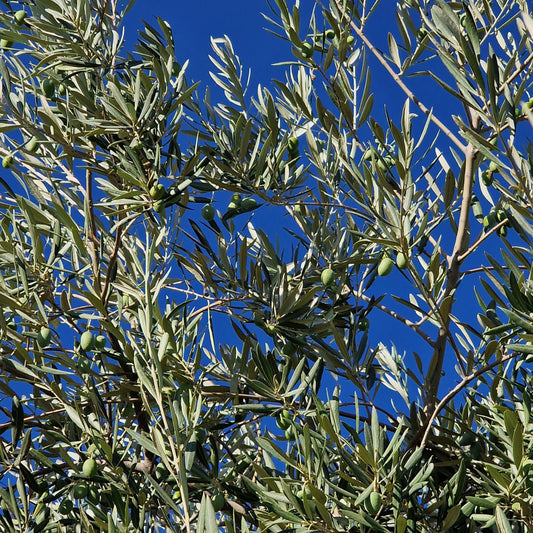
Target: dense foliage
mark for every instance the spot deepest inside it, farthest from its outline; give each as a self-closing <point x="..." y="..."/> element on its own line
<point x="299" y="307"/>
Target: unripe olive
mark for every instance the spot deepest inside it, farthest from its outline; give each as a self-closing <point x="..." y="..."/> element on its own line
<point x="501" y="214"/>
<point x="304" y="492"/>
<point x="282" y="423"/>
<point x="159" y="206"/>
<point x="161" y="472"/>
<point x="208" y="212"/>
<point x="307" y="50"/>
<point x="292" y="144"/>
<point x="80" y="491"/>
<point x="421" y="34"/>
<point x="249" y="203"/>
<point x="48" y="87"/>
<point x="373" y="503"/>
<point x="327" y="277"/>
<point x="363" y="324"/>
<point x="20" y="16"/>
<point x="44" y="336"/>
<point x="89" y="468"/>
<point x="385" y="266"/>
<point x="32" y="144"/>
<point x="235" y="201"/>
<point x="7" y="161"/>
<point x="65" y="506"/>
<point x="489" y="220"/>
<point x="487" y="177"/>
<point x="369" y="154"/>
<point x="476" y="449"/>
<point x="330" y="34"/>
<point x="6" y="43"/>
<point x="493" y="166"/>
<point x="157" y="191"/>
<point x="99" y="342"/>
<point x="350" y="40"/>
<point x="466" y="439"/>
<point x="401" y="260"/>
<point x="290" y="434"/>
<point x="84" y="365"/>
<point x="87" y="341"/>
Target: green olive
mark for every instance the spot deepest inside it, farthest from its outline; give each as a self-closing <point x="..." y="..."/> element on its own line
<point x="89" y="468"/>
<point x="249" y="204"/>
<point x="487" y="177"/>
<point x="6" y="43"/>
<point x="99" y="342"/>
<point x="292" y="144"/>
<point x="489" y="220"/>
<point x="350" y="40"/>
<point x="84" y="365"/>
<point x="32" y="144"/>
<point x="235" y="201"/>
<point x="327" y="277"/>
<point x="330" y="34"/>
<point x="290" y="433"/>
<point x="422" y="34"/>
<point x="20" y="16"/>
<point x="7" y="161"/>
<point x="87" y="341"/>
<point x="208" y="212"/>
<point x="401" y="260"/>
<point x="385" y="266"/>
<point x="176" y="68"/>
<point x="80" y="491"/>
<point x="65" y="506"/>
<point x="307" y="50"/>
<point x="373" y="503"/>
<point x="370" y="154"/>
<point x="44" y="336"/>
<point x="493" y="166"/>
<point x="363" y="324"/>
<point x="159" y="207"/>
<point x="157" y="191"/>
<point x="282" y="423"/>
<point x="48" y="87"/>
<point x="161" y="472"/>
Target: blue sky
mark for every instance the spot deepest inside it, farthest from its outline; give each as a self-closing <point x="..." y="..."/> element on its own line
<point x="194" y="23"/>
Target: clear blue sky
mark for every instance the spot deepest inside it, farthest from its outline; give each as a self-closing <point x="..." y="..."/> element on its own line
<point x="193" y="24"/>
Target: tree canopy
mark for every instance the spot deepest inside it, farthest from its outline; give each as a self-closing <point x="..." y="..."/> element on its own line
<point x="295" y="307"/>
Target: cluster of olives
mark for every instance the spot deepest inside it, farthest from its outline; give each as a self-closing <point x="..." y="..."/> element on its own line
<point x="237" y="205"/>
<point x="307" y="49"/>
<point x="494" y="217"/>
<point x="386" y="264"/>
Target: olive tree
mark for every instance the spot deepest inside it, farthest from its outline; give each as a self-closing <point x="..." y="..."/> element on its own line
<point x="299" y="307"/>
